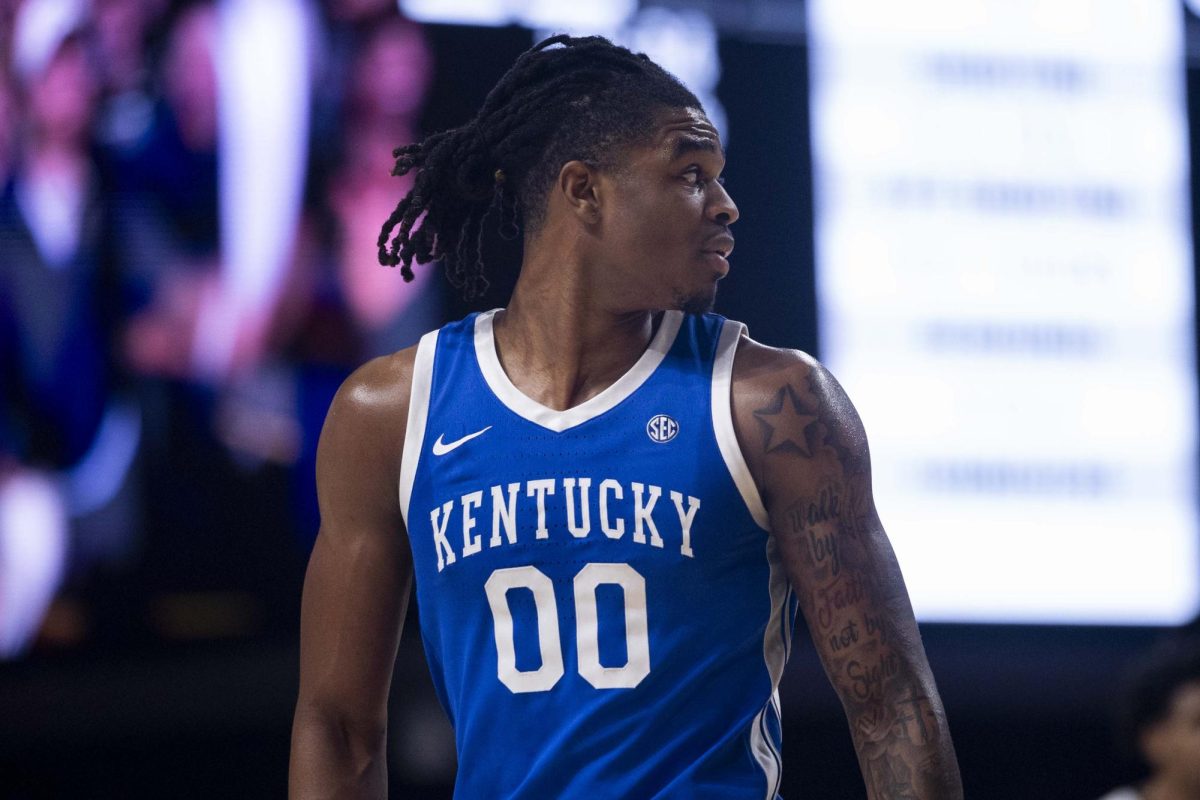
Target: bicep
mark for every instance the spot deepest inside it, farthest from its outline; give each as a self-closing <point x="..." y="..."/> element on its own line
<point x="810" y="450"/>
<point x="849" y="586"/>
<point x="359" y="576"/>
<point x="839" y="559"/>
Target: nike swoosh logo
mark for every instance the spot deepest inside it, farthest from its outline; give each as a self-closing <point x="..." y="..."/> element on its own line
<point x="440" y="448"/>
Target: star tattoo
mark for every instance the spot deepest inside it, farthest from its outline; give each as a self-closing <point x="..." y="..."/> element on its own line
<point x="785" y="423"/>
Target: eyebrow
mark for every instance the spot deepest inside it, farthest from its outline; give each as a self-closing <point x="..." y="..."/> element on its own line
<point x="691" y="144"/>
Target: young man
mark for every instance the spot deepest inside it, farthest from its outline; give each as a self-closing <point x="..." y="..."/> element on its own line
<point x="612" y="502"/>
<point x="1160" y="723"/>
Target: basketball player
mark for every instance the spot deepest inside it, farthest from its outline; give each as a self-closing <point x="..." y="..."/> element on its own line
<point x="613" y="503"/>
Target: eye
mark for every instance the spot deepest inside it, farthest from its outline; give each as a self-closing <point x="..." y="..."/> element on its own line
<point x="694" y="176"/>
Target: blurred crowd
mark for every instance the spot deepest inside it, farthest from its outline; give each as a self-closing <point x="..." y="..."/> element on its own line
<point x="187" y="273"/>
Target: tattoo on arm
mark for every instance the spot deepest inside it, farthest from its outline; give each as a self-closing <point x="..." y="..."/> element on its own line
<point x="785" y="423"/>
<point x="852" y="592"/>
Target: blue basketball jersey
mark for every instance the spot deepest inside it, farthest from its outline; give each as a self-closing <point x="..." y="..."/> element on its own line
<point x="603" y="612"/>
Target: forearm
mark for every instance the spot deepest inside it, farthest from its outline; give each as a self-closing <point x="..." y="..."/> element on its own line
<point x="863" y="627"/>
<point x="331" y="759"/>
<point x="901" y="737"/>
<point x="874" y="658"/>
<point x="864" y="630"/>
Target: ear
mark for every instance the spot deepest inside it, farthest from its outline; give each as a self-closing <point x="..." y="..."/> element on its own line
<point x="578" y="187"/>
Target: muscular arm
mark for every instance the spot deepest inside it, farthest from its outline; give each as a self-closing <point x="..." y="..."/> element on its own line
<point x="356" y="590"/>
<point x="806" y="447"/>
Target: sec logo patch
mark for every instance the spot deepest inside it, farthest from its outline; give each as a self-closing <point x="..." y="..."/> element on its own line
<point x="662" y="429"/>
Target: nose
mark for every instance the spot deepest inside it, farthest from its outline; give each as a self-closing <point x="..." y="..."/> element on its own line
<point x="721" y="208"/>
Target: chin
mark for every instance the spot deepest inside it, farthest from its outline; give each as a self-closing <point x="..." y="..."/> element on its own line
<point x="700" y="302"/>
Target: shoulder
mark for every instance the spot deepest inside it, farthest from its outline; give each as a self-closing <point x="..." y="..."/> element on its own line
<point x="791" y="416"/>
<point x="761" y="368"/>
<point x="764" y="375"/>
<point x="369" y="413"/>
<point x="379" y="387"/>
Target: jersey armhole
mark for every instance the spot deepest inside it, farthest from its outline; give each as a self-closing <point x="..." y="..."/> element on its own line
<point x="722" y="413"/>
<point x="418" y="416"/>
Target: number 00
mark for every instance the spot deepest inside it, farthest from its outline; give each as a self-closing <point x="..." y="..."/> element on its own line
<point x="587" y="634"/>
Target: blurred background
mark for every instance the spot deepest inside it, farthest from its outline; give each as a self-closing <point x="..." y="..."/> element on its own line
<point x="981" y="214"/>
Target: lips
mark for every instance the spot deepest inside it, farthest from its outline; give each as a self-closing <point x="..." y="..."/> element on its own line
<point x="721" y="245"/>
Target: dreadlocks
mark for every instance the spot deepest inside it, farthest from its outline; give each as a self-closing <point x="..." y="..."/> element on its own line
<point x="582" y="101"/>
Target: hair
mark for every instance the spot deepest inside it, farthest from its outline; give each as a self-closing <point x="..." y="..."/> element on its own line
<point x="1150" y="690"/>
<point x="585" y="100"/>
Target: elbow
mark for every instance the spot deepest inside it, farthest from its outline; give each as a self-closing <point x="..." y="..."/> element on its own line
<point x="360" y="733"/>
<point x="335" y="750"/>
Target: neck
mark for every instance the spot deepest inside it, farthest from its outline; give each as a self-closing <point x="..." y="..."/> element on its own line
<point x="560" y="340"/>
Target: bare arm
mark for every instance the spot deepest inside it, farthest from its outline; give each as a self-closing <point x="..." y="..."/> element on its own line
<point x="805" y="444"/>
<point x="356" y="590"/>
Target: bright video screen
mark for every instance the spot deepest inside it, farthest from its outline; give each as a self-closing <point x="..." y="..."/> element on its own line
<point x="1005" y="284"/>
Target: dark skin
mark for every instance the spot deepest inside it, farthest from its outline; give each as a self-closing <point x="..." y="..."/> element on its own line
<point x="1171" y="746"/>
<point x="617" y="247"/>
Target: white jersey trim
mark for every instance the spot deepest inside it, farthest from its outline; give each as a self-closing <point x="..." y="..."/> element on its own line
<point x="552" y="419"/>
<point x="775" y="653"/>
<point x="722" y="412"/>
<point x="418" y="416"/>
<point x="777" y="635"/>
